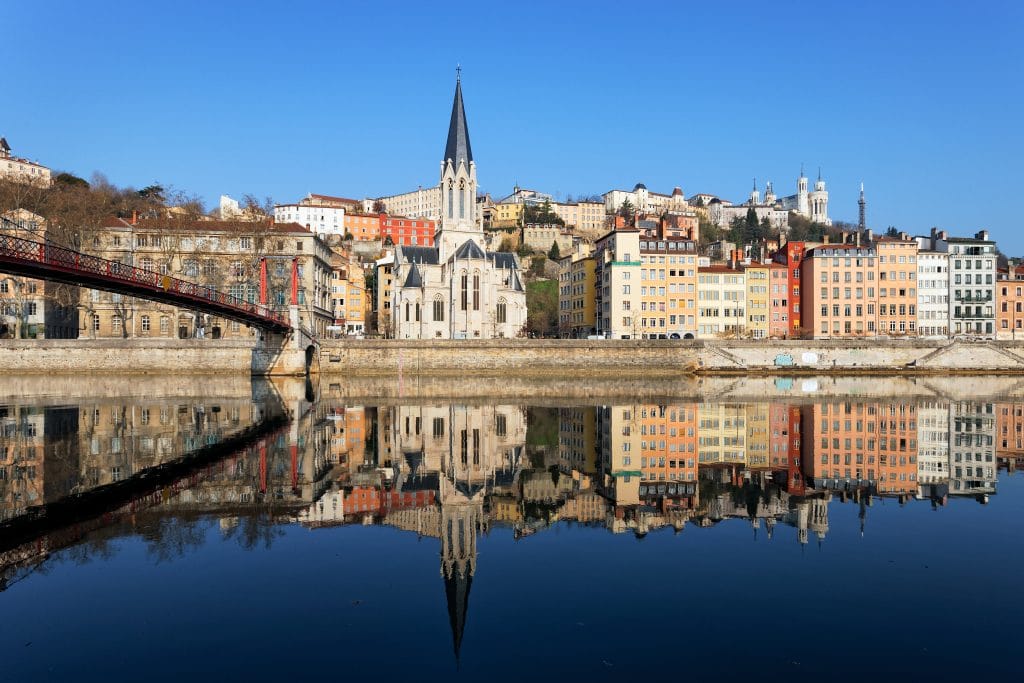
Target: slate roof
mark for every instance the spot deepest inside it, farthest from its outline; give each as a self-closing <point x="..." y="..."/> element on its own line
<point x="458" y="148"/>
<point x="413" y="279"/>
<point x="503" y="259"/>
<point x="426" y="255"/>
<point x="470" y="249"/>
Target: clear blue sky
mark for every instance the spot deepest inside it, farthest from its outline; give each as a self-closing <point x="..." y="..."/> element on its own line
<point x="923" y="101"/>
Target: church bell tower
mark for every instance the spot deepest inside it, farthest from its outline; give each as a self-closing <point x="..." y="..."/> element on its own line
<point x="458" y="183"/>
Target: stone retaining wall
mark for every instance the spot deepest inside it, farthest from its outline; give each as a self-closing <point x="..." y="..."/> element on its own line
<point x="630" y="359"/>
<point x="547" y="358"/>
<point x="126" y="356"/>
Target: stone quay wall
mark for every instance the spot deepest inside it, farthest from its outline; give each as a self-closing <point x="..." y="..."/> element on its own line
<point x="126" y="356"/>
<point x="538" y="358"/>
<point x="637" y="359"/>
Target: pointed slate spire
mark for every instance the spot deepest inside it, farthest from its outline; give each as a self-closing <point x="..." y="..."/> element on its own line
<point x="458" y="148"/>
<point x="456" y="589"/>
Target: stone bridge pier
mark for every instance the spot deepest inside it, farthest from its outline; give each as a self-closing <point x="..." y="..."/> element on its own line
<point x="294" y="353"/>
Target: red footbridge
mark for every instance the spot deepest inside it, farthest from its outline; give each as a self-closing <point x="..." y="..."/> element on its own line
<point x="45" y="261"/>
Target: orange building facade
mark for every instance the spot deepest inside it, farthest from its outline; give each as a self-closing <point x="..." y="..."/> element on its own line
<point x="1010" y="303"/>
<point x="856" y="291"/>
<point x="416" y="232"/>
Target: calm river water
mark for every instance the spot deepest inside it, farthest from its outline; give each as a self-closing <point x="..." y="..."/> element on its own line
<point x="171" y="529"/>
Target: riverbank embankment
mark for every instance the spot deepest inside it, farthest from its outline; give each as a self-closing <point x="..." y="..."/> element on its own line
<point x="538" y="358"/>
<point x="634" y="359"/>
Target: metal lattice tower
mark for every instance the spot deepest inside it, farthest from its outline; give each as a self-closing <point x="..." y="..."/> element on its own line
<point x="862" y="203"/>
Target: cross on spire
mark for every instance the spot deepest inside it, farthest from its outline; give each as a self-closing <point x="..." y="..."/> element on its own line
<point x="458" y="72"/>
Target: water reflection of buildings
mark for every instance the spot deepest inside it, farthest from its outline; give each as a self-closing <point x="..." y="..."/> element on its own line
<point x="454" y="472"/>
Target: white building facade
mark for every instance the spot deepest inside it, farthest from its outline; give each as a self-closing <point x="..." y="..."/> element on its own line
<point x="21" y="170"/>
<point x="644" y="201"/>
<point x="322" y="220"/>
<point x="932" y="293"/>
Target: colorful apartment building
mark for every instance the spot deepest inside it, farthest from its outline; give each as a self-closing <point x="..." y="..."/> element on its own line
<point x="758" y="278"/>
<point x="791" y="257"/>
<point x="897" y="286"/>
<point x="668" y="289"/>
<point x="349" y="298"/>
<point x="778" y="307"/>
<point x="851" y="290"/>
<point x="1010" y="302"/>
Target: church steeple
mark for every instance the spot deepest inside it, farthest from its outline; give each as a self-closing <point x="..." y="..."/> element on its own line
<point x="458" y="148"/>
<point x="458" y="185"/>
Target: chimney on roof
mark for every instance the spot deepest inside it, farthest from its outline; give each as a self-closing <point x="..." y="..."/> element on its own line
<point x="735" y="256"/>
<point x="856" y="238"/>
<point x="982" y="235"/>
<point x="869" y="236"/>
<point x="135" y="217"/>
<point x="904" y="236"/>
<point x="824" y="238"/>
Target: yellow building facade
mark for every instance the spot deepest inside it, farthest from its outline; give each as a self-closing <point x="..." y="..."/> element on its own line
<point x="757" y="276"/>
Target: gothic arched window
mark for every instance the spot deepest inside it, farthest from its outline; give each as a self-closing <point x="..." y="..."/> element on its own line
<point x="451" y="202"/>
<point x="462" y="200"/>
<point x="476" y="291"/>
<point x="464" y="301"/>
<point x="438" y="309"/>
<point x="502" y="311"/>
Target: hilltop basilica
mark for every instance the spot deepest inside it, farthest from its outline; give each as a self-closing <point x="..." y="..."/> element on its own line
<point x="457" y="289"/>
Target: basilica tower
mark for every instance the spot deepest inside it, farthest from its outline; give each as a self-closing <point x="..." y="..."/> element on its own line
<point x="801" y="194"/>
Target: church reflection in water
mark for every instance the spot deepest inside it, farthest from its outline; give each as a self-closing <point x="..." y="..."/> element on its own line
<point x="456" y="471"/>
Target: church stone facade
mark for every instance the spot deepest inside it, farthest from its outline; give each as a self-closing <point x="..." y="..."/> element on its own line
<point x="457" y="289"/>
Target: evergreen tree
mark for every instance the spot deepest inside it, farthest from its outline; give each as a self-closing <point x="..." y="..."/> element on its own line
<point x="553" y="253"/>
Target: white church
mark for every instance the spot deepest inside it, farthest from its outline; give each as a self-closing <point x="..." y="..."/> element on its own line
<point x="457" y="289"/>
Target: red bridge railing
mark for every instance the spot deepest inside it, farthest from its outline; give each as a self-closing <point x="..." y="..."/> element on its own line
<point x="187" y="293"/>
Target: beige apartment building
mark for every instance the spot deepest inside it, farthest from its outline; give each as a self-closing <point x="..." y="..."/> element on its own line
<point x="542" y="237"/>
<point x="31" y="308"/>
<point x="349" y="300"/>
<point x="588" y="216"/>
<point x="223" y="255"/>
<point x="617" y="268"/>
<point x="897" y="286"/>
<point x="576" y="294"/>
<point x="424" y="202"/>
<point x="721" y="302"/>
